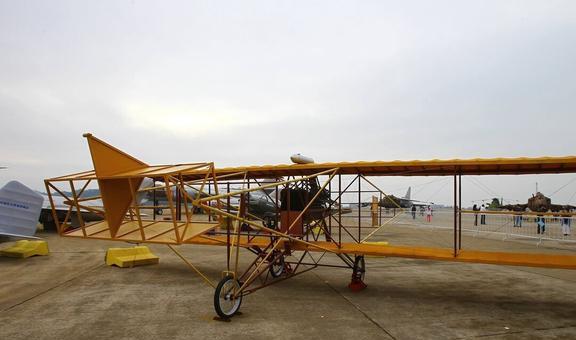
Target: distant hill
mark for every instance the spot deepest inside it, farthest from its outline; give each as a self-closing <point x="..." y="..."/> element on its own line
<point x="86" y="193"/>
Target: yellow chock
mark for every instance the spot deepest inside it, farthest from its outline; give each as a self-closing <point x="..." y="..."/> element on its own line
<point x="130" y="257"/>
<point x="25" y="248"/>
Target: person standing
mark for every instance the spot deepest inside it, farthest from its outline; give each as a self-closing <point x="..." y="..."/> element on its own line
<point x="475" y="209"/>
<point x="413" y="212"/>
<point x="518" y="219"/>
<point x="566" y="220"/>
<point x="428" y="214"/>
<point x="482" y="214"/>
<point x="541" y="224"/>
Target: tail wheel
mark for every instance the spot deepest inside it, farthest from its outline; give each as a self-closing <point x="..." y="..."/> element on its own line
<point x="277" y="267"/>
<point x="225" y="304"/>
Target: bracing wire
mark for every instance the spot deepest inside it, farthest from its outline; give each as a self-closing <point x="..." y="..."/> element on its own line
<point x="564" y="186"/>
<point x="439" y="189"/>
<point x="489" y="191"/>
<point x="571" y="197"/>
<point x="480" y="187"/>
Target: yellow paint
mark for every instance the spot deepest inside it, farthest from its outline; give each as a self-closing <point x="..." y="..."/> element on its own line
<point x="120" y="174"/>
<point x="318" y="231"/>
<point x="116" y="193"/>
<point x="377" y="243"/>
<point x="25" y="248"/>
<point x="374" y="210"/>
<point x="130" y="257"/>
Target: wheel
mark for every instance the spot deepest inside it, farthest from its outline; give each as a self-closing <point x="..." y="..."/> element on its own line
<point x="224" y="304"/>
<point x="360" y="267"/>
<point x="277" y="267"/>
<point x="270" y="222"/>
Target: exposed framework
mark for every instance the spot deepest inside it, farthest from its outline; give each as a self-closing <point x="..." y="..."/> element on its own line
<point x="308" y="220"/>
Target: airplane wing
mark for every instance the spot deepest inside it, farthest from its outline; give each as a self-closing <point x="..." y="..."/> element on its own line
<point x="515" y="207"/>
<point x="560" y="207"/>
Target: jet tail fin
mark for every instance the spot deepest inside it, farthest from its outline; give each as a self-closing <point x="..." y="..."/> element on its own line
<point x="20" y="208"/>
<point x="407" y="196"/>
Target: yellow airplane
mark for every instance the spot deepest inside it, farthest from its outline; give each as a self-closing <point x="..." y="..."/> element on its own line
<point x="308" y="227"/>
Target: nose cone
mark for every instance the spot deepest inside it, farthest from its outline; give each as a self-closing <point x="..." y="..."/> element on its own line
<point x="300" y="159"/>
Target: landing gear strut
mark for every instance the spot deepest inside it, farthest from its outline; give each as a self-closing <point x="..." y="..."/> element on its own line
<point x="357" y="284"/>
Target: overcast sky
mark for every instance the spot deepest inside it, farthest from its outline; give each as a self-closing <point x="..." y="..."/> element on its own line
<point x="252" y="82"/>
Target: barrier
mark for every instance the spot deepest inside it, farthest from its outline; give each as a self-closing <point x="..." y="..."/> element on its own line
<point x="508" y="225"/>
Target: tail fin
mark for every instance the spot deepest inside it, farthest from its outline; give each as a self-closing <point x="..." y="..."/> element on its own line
<point x="20" y="208"/>
<point x="407" y="196"/>
<point x="116" y="192"/>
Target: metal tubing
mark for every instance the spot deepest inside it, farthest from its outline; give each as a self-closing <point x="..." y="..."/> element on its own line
<point x="455" y="218"/>
<point x="192" y="266"/>
<point x="359" y="208"/>
<point x="459" y="211"/>
<point x="227" y="228"/>
<point x="340" y="210"/>
<point x="75" y="197"/>
<point x="52" y="207"/>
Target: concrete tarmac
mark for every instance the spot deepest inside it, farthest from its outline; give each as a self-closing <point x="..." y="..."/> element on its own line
<point x="71" y="294"/>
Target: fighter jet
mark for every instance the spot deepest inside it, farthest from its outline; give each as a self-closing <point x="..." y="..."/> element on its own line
<point x="391" y="201"/>
<point x="538" y="203"/>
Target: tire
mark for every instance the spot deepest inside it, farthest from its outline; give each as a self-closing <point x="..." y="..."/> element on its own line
<point x="360" y="267"/>
<point x="277" y="268"/>
<point x="223" y="304"/>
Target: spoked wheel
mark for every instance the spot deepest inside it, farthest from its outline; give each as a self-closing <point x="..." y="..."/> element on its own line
<point x="224" y="302"/>
<point x="277" y="267"/>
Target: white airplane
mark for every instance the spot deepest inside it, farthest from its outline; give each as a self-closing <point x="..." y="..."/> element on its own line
<point x="20" y="208"/>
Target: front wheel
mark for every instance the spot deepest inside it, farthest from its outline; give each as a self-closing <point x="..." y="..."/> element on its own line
<point x="277" y="267"/>
<point x="225" y="304"/>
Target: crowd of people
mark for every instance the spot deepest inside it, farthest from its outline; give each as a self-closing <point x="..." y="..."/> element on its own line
<point x="518" y="218"/>
<point x="565" y="220"/>
<point x="427" y="211"/>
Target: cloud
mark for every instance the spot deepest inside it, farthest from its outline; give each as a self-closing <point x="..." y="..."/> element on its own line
<point x="253" y="83"/>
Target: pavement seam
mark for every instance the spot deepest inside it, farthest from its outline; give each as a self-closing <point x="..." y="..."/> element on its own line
<point x="54" y="287"/>
<point x="522" y="332"/>
<point x="357" y="308"/>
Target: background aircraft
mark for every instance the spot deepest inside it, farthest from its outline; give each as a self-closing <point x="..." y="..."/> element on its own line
<point x="90" y="212"/>
<point x="19" y="210"/>
<point x="538" y="203"/>
<point x="391" y="201"/>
